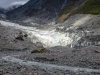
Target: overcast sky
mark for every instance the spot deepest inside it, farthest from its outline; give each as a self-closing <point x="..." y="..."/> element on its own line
<point x="8" y="3"/>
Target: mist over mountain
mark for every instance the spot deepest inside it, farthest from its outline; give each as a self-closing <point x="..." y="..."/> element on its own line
<point x="8" y="3"/>
<point x="10" y="8"/>
<point x="3" y="11"/>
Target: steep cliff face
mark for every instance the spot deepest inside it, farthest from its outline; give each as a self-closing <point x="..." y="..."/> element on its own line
<point x="41" y="11"/>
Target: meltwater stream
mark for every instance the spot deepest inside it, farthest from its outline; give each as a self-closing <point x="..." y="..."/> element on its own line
<point x="49" y="66"/>
<point x="45" y="37"/>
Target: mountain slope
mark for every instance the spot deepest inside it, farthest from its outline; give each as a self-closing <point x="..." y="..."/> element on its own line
<point x="1" y="11"/>
<point x="69" y="8"/>
<point x="89" y="7"/>
<point x="12" y="7"/>
<point x="80" y="7"/>
<point x="41" y="11"/>
<point x="2" y="14"/>
<point x="49" y="11"/>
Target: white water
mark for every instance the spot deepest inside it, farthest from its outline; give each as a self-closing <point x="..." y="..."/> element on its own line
<point x="45" y="37"/>
<point x="49" y="66"/>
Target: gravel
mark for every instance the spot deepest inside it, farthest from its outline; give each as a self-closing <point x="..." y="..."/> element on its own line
<point x="87" y="57"/>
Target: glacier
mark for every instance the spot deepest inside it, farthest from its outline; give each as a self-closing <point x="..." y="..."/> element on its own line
<point x="45" y="37"/>
<point x="75" y="32"/>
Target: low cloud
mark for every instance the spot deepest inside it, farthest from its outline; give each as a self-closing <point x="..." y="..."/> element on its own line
<point x="7" y="3"/>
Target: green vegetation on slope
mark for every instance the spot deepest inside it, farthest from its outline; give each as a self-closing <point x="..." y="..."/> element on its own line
<point x="89" y="7"/>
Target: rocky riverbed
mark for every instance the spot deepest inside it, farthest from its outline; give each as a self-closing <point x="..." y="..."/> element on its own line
<point x="19" y="56"/>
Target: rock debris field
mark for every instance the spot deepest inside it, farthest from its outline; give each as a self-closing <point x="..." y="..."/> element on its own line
<point x="19" y="56"/>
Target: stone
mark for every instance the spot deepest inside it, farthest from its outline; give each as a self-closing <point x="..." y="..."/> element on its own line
<point x="97" y="51"/>
<point x="39" y="51"/>
<point x="1" y="73"/>
<point x="35" y="74"/>
<point x="31" y="73"/>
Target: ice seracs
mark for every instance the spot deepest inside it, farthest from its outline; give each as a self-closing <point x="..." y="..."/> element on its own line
<point x="46" y="38"/>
